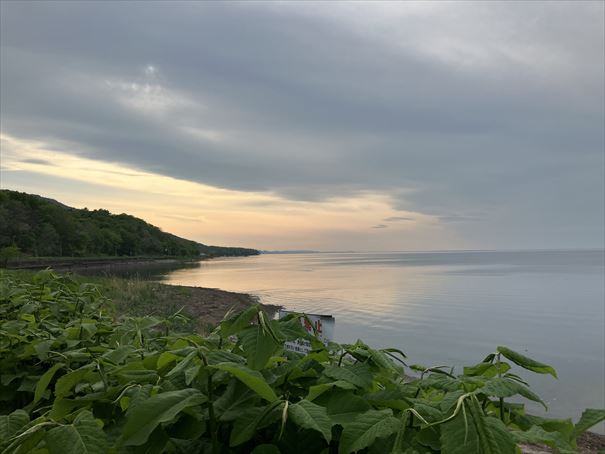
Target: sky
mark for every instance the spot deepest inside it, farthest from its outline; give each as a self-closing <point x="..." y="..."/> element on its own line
<point x="305" y="125"/>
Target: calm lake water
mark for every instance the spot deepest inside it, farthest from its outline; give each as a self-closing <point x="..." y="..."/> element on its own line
<point x="446" y="307"/>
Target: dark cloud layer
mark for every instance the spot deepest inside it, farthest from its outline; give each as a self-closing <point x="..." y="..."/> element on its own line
<point x="456" y="110"/>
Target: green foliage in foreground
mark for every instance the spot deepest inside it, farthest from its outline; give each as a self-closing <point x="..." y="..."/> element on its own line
<point x="74" y="380"/>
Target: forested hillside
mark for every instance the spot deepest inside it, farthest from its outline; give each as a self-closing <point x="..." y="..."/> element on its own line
<point x="46" y="228"/>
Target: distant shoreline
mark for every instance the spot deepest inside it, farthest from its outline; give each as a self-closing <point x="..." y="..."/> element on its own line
<point x="78" y="263"/>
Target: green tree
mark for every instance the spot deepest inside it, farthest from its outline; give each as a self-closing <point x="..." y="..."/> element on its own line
<point x="8" y="253"/>
<point x="48" y="242"/>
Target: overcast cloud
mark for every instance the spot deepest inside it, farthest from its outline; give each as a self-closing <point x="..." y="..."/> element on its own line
<point x="489" y="116"/>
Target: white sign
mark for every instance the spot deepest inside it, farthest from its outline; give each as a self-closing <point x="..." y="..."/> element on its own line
<point x="320" y="326"/>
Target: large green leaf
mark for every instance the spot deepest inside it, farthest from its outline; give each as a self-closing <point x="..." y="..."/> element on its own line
<point x="360" y="374"/>
<point x="292" y="329"/>
<point x="45" y="380"/>
<point x="366" y="428"/>
<point x="250" y="421"/>
<point x="65" y="384"/>
<point x="458" y="435"/>
<point x="191" y="373"/>
<point x="590" y="417"/>
<point x="187" y="427"/>
<point x="428" y="412"/>
<point x="430" y="437"/>
<point x="538" y="435"/>
<point x="156" y="443"/>
<point x="244" y="426"/>
<point x="166" y="358"/>
<point x="503" y="387"/>
<point x="62" y="407"/>
<point x="222" y="356"/>
<point x="343" y="406"/>
<point x="84" y="436"/>
<point x="265" y="449"/>
<point x="182" y="365"/>
<point x="471" y="432"/>
<point x="236" y="398"/>
<point x="258" y="346"/>
<point x="239" y="321"/>
<point x="119" y="354"/>
<point x="487" y="369"/>
<point x="318" y="390"/>
<point x="42" y="348"/>
<point x="392" y="398"/>
<point x="164" y="407"/>
<point x="251" y="378"/>
<point x="28" y="438"/>
<point x="563" y="426"/>
<point x="11" y="424"/>
<point x="450" y="399"/>
<point x="311" y="416"/>
<point x="493" y="434"/>
<point x="527" y="363"/>
<point x="381" y="359"/>
<point x="402" y="438"/>
<point x="137" y="395"/>
<point x="440" y="381"/>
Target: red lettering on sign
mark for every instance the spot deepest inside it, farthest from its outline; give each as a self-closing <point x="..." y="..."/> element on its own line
<point x="307" y="325"/>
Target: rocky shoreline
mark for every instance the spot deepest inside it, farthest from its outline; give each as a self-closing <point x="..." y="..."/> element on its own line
<point x="211" y="304"/>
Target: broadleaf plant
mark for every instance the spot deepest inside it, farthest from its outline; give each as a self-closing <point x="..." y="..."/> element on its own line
<point x="77" y="379"/>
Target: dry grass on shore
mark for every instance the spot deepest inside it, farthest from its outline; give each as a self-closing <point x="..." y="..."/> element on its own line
<point x="206" y="307"/>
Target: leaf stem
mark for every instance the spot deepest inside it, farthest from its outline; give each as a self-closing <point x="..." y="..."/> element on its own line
<point x="211" y="416"/>
<point x="501" y="398"/>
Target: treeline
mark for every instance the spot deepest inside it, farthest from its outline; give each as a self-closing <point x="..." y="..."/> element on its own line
<point x="222" y="251"/>
<point x="46" y="228"/>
